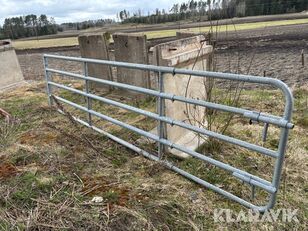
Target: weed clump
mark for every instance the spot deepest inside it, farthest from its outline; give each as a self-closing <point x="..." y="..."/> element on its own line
<point x="8" y="132"/>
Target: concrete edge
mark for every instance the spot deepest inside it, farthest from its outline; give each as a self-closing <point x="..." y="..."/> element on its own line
<point x="14" y="85"/>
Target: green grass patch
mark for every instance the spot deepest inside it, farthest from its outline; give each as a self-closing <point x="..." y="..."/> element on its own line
<point x="45" y="43"/>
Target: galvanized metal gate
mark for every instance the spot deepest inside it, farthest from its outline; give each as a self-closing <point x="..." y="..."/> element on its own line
<point x="284" y="122"/>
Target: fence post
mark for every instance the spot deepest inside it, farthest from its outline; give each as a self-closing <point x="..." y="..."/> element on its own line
<point x="87" y="90"/>
<point x="160" y="108"/>
<point x="303" y="58"/>
<point x="48" y="88"/>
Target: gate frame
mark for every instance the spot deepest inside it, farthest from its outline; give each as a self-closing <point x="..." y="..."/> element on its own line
<point x="283" y="122"/>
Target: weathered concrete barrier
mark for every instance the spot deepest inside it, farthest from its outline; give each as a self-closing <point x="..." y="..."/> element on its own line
<point x="131" y="48"/>
<point x="96" y="46"/>
<point x="190" y="53"/>
<point x="10" y="72"/>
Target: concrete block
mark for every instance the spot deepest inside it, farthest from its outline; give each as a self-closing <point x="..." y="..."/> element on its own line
<point x="188" y="53"/>
<point x="96" y="46"/>
<point x="131" y="48"/>
<point x="10" y="72"/>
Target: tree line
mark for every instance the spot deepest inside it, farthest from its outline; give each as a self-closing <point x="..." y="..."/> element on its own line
<point x="186" y="10"/>
<point x="241" y="8"/>
<point x="86" y="24"/>
<point x="198" y="10"/>
<point x="27" y="26"/>
<point x="267" y="7"/>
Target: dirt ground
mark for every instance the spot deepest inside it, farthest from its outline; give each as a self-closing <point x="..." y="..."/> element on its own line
<point x="275" y="52"/>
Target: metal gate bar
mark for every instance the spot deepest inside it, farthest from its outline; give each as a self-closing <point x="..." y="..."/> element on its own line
<point x="256" y="116"/>
<point x="170" y="121"/>
<point x="282" y="122"/>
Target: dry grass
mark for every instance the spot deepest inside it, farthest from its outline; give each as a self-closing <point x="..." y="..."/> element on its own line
<point x="45" y="43"/>
<point x="54" y="168"/>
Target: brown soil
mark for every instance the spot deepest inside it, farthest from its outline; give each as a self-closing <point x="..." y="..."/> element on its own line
<point x="33" y="68"/>
<point x="274" y="51"/>
<point x="113" y="193"/>
<point x="7" y="170"/>
<point x="36" y="137"/>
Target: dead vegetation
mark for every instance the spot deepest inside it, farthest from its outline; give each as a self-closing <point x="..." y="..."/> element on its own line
<point x="51" y="169"/>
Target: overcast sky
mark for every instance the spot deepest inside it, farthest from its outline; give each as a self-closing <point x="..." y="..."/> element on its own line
<point x="78" y="10"/>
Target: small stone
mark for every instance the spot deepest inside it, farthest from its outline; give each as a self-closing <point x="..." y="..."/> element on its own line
<point x="97" y="199"/>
